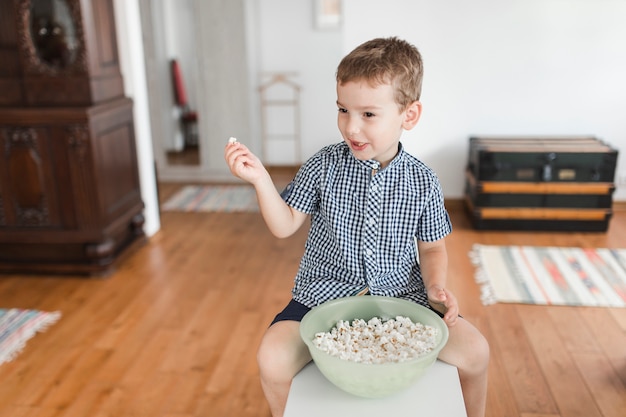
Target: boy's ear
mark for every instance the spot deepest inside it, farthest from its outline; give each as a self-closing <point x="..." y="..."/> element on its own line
<point x="412" y="115"/>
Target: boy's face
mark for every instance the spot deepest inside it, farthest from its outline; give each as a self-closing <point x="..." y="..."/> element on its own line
<point x="370" y="122"/>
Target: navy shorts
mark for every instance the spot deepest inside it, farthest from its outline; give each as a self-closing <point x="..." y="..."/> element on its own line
<point x="295" y="311"/>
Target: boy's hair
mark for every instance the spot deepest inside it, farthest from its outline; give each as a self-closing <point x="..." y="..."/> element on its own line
<point x="386" y="61"/>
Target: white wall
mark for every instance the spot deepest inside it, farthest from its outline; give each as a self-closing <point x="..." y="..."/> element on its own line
<point x="288" y="42"/>
<point x="517" y="67"/>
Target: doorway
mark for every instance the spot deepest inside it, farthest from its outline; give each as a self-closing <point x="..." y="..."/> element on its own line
<point x="211" y="43"/>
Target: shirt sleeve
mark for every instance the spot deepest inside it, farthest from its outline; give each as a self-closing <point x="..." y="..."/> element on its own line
<point x="434" y="222"/>
<point x="302" y="193"/>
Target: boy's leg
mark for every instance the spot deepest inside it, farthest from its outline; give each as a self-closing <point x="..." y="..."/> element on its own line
<point x="468" y="350"/>
<point x="282" y="354"/>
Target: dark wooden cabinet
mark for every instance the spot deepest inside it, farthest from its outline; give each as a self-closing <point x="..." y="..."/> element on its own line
<point x="70" y="196"/>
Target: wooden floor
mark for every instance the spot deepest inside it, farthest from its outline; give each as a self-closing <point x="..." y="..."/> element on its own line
<point x="173" y="332"/>
<point x="188" y="156"/>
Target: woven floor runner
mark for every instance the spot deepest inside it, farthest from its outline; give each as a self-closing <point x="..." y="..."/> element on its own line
<point x="17" y="326"/>
<point x="217" y="198"/>
<point x="551" y="275"/>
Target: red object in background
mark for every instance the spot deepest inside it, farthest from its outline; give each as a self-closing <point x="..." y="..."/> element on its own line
<point x="188" y="117"/>
<point x="179" y="85"/>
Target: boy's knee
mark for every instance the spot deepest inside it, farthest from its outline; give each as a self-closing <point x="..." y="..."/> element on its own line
<point x="268" y="357"/>
<point x="272" y="366"/>
<point x="281" y="354"/>
<point x="483" y="351"/>
<point x="478" y="359"/>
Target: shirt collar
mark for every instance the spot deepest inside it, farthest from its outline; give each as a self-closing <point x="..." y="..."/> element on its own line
<point x="372" y="164"/>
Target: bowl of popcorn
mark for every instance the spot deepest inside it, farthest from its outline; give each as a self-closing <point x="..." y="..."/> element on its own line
<point x="373" y="346"/>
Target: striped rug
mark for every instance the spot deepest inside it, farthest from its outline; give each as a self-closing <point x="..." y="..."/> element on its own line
<point x="551" y="275"/>
<point x="222" y="198"/>
<point x="17" y="326"/>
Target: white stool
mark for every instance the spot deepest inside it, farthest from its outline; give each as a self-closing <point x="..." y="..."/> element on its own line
<point x="436" y="393"/>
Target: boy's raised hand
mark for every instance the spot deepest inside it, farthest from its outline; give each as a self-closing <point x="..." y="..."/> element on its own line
<point x="243" y="163"/>
<point x="445" y="302"/>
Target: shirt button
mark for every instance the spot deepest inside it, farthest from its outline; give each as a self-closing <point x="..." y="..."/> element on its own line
<point x="374" y="187"/>
<point x="369" y="252"/>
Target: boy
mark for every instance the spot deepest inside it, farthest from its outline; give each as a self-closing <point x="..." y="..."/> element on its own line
<point x="377" y="219"/>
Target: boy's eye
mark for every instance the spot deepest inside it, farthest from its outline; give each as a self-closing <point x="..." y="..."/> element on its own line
<point x="342" y="110"/>
<point x="368" y="114"/>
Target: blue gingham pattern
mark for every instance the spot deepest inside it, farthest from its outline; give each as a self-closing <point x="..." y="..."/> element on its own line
<point x="363" y="224"/>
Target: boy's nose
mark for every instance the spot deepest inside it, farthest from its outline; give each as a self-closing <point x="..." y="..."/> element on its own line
<point x="352" y="127"/>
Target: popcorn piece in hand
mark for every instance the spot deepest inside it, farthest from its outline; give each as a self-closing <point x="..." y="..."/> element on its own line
<point x="232" y="140"/>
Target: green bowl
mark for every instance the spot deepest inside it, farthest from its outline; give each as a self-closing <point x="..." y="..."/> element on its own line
<point x="370" y="380"/>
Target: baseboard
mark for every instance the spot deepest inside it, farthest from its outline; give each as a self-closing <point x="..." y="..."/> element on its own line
<point x="619" y="206"/>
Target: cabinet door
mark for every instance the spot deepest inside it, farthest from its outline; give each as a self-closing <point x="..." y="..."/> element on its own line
<point x="28" y="191"/>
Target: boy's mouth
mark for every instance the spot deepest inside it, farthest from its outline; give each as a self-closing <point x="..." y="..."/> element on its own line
<point x="358" y="146"/>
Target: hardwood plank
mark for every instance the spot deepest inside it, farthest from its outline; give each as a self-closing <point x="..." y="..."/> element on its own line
<point x="539" y="415"/>
<point x="557" y="365"/>
<point x="60" y="394"/>
<point x="18" y="411"/>
<point x="186" y="390"/>
<point x="50" y="375"/>
<point x="522" y="368"/>
<point x="92" y="398"/>
<point x="603" y="382"/>
<point x="610" y="337"/>
<point x="149" y="398"/>
<point x="177" y="415"/>
<point x="576" y="336"/>
<point x="619" y="315"/>
<point x="500" y="395"/>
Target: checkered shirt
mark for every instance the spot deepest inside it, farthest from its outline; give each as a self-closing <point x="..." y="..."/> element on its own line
<point x="364" y="222"/>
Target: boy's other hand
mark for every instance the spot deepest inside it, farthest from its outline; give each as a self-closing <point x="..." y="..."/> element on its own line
<point x="444" y="302"/>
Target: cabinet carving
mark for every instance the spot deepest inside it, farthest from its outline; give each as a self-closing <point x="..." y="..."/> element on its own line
<point x="70" y="199"/>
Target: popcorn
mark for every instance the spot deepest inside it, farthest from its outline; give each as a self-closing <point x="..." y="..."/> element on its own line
<point x="377" y="341"/>
<point x="232" y="140"/>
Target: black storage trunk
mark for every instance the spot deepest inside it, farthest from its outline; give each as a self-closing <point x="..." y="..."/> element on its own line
<point x="563" y="184"/>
